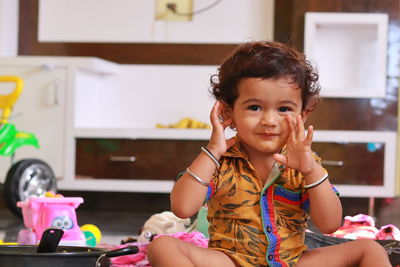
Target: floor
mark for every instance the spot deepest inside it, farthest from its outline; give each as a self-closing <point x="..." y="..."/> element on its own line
<point x="121" y="215"/>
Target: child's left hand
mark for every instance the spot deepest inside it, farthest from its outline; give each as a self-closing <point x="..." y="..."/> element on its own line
<point x="299" y="154"/>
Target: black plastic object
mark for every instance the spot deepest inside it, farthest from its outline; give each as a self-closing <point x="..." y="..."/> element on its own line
<point x="50" y="239"/>
<point x="104" y="259"/>
<point x="27" y="177"/>
<point x="64" y="256"/>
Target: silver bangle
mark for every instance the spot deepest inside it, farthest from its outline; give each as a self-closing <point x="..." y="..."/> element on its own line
<point x="320" y="181"/>
<point x="212" y="157"/>
<point x="197" y="177"/>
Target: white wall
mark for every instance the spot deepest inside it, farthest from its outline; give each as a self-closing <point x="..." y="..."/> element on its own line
<point x="9" y="27"/>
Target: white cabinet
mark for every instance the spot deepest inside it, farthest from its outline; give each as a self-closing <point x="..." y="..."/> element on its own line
<point x="39" y="110"/>
<point x="45" y="107"/>
<point x="66" y="99"/>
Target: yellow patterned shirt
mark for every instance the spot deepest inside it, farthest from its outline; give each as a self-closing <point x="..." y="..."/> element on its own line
<point x="256" y="224"/>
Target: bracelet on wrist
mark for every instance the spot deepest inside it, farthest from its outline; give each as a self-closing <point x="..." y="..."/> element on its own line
<point x="211" y="156"/>
<point x="197" y="178"/>
<point x="316" y="183"/>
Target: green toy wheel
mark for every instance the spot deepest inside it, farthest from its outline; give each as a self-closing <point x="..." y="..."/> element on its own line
<point x="28" y="177"/>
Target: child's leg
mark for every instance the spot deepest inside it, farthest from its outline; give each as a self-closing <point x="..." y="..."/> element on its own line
<point x="363" y="253"/>
<point x="169" y="251"/>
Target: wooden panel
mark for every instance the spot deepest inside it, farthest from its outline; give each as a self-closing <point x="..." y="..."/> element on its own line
<point x="345" y="114"/>
<point x="289" y="14"/>
<point x="363" y="164"/>
<point x="155" y="159"/>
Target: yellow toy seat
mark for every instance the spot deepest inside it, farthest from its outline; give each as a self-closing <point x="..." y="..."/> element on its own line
<point x="7" y="101"/>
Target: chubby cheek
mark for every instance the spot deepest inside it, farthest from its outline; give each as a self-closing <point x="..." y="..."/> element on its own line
<point x="246" y="123"/>
<point x="285" y="129"/>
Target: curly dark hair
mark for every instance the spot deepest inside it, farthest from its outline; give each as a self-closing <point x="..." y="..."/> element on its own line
<point x="265" y="60"/>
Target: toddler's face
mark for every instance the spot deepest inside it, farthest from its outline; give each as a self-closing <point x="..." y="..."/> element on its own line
<point x="259" y="113"/>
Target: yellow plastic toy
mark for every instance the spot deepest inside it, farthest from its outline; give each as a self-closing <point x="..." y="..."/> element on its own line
<point x="51" y="194"/>
<point x="8" y="101"/>
<point x="186" y="123"/>
<point x="7" y="243"/>
<point x="92" y="234"/>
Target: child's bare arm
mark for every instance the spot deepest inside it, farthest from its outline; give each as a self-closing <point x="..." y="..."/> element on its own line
<point x="325" y="206"/>
<point x="188" y="194"/>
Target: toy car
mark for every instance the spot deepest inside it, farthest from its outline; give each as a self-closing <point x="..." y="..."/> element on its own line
<point x="40" y="213"/>
<point x="27" y="177"/>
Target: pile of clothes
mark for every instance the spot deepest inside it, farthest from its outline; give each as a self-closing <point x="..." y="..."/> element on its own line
<point x="354" y="227"/>
<point x="363" y="226"/>
<point x="140" y="258"/>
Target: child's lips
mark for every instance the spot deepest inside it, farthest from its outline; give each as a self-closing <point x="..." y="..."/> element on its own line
<point x="269" y="135"/>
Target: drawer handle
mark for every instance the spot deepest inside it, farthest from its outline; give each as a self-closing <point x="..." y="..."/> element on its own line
<point x="123" y="159"/>
<point x="338" y="163"/>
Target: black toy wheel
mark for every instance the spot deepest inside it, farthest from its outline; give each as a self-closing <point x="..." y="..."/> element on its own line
<point x="28" y="177"/>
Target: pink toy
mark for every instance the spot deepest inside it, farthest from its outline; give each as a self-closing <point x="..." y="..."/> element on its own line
<point x="39" y="213"/>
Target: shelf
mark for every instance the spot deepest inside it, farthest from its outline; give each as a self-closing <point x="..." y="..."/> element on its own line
<point x="88" y="64"/>
<point x="349" y="51"/>
<point x="202" y="134"/>
<point x="144" y="133"/>
<point x="115" y="185"/>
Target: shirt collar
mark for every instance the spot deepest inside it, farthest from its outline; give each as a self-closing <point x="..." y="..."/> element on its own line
<point x="237" y="151"/>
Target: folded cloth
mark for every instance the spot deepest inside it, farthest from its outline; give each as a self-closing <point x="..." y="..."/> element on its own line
<point x="140" y="258"/>
<point x="195" y="238"/>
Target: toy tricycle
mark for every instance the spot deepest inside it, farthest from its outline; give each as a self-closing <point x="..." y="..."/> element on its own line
<point x="40" y="213"/>
<point x="27" y="177"/>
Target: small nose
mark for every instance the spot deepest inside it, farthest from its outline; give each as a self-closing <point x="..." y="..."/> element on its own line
<point x="269" y="119"/>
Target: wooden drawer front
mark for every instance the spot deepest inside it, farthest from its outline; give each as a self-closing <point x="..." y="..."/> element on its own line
<point x="154" y="159"/>
<point x="353" y="163"/>
<point x="347" y="163"/>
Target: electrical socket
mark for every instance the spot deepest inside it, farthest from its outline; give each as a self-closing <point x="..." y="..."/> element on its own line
<point x="164" y="10"/>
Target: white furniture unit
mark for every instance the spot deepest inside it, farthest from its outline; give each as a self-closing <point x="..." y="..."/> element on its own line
<point x="46" y="105"/>
<point x="349" y="50"/>
<point x="69" y="98"/>
<point x="384" y="139"/>
<point x="130" y="21"/>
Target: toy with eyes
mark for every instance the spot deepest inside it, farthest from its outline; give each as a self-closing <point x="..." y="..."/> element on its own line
<point x="39" y="213"/>
<point x="63" y="222"/>
<point x="162" y="223"/>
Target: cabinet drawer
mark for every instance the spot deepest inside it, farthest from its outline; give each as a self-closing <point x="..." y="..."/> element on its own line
<point x="134" y="159"/>
<point x="347" y="163"/>
<point x="352" y="163"/>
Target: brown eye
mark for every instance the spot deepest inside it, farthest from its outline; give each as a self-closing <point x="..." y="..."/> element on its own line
<point x="284" y="109"/>
<point x="254" y="108"/>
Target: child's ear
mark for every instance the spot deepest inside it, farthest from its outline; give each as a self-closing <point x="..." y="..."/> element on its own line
<point x="226" y="112"/>
<point x="304" y="115"/>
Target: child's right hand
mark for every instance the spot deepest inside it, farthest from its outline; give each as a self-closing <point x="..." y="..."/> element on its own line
<point x="218" y="144"/>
